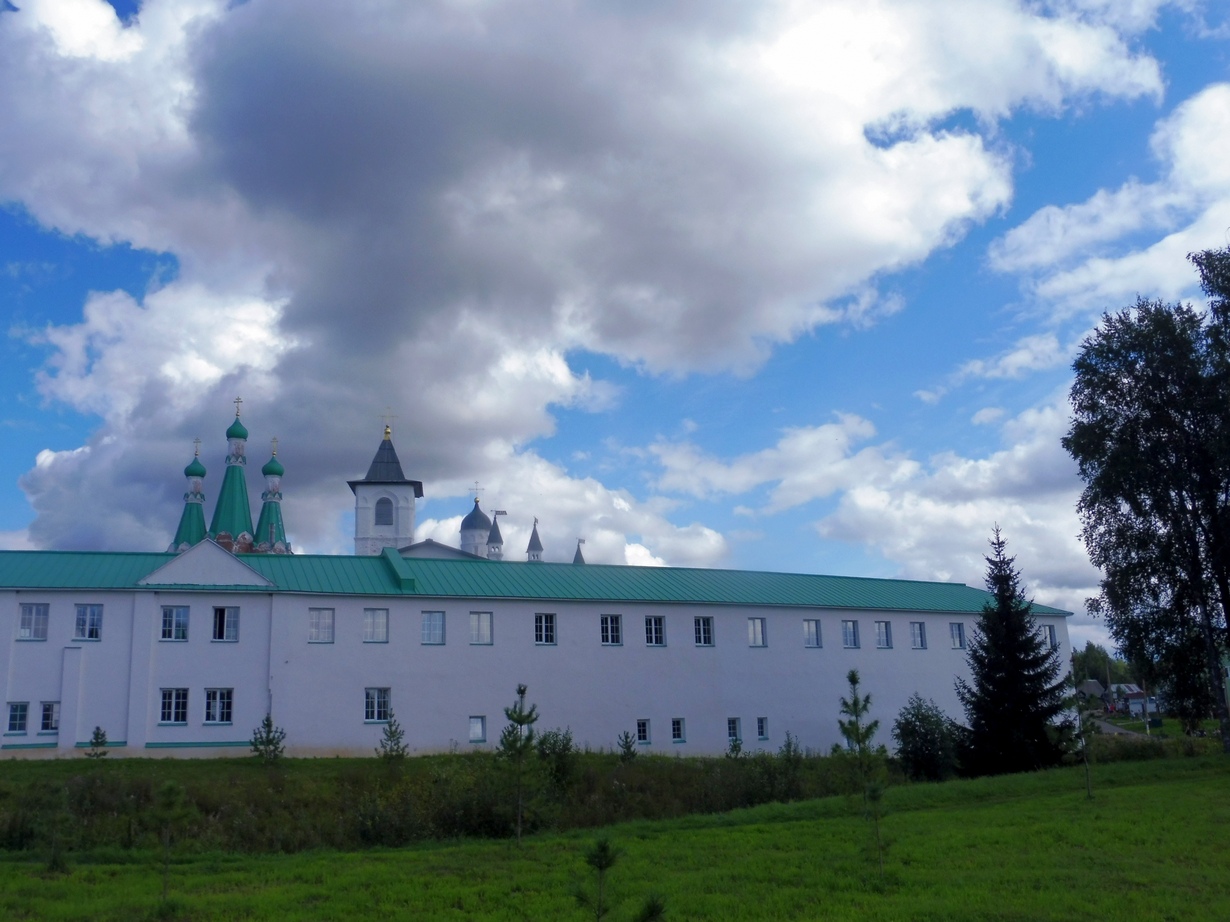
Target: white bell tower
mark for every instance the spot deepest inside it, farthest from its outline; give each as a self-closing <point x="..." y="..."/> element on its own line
<point x="384" y="503"/>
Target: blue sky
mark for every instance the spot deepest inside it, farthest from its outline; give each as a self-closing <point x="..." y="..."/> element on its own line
<point x="790" y="286"/>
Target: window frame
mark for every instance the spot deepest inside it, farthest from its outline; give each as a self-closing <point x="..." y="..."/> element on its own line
<point x="50" y="717"/>
<point x="33" y="621"/>
<point x="884" y="635"/>
<point x="611" y="630"/>
<point x="19" y="718"/>
<point x="849" y="634"/>
<point x="811" y="632"/>
<point x="643" y="735"/>
<point x="655" y="630"/>
<point x="432" y="630"/>
<point x="173" y="707"/>
<point x="383" y="503"/>
<point x="734" y="730"/>
<point x="757" y="632"/>
<point x="956" y="633"/>
<point x="1050" y="636"/>
<point x="222" y="702"/>
<point x="482" y="628"/>
<point x="762" y="728"/>
<point x="229" y="624"/>
<point x="702" y="628"/>
<point x="482" y="728"/>
<point x="175" y="622"/>
<point x="375" y="625"/>
<point x="88" y="622"/>
<point x="544" y="629"/>
<point x="918" y="635"/>
<point x="317" y="632"/>
<point x="679" y="730"/>
<point x="377" y="701"/>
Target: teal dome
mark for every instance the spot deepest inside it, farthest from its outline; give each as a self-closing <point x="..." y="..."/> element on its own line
<point x="237" y="430"/>
<point x="195" y="469"/>
<point x="273" y="468"/>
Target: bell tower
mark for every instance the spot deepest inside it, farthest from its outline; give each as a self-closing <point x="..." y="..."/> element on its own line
<point x="384" y="503"/>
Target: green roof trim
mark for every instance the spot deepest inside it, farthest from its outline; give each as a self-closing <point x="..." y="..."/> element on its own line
<point x="390" y="574"/>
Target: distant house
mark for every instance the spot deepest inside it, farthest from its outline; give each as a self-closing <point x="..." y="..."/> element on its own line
<point x="1092" y="690"/>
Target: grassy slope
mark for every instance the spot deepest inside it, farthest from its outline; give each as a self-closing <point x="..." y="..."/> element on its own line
<point x="1151" y="845"/>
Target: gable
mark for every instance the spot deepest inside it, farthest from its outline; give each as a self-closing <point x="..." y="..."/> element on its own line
<point x="204" y="564"/>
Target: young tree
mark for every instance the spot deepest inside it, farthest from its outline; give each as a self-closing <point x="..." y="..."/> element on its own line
<point x="517" y="744"/>
<point x="392" y="749"/>
<point x="926" y="743"/>
<point x="1017" y="692"/>
<point x="98" y="744"/>
<point x="267" y="741"/>
<point x="859" y="734"/>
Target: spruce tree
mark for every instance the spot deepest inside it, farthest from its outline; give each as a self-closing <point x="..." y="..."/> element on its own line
<point x="517" y="744"/>
<point x="1016" y="692"/>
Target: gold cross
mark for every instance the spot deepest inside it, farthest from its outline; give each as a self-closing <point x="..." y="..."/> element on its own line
<point x="238" y="402"/>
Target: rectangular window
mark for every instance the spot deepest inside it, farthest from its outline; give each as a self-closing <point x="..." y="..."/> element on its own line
<point x="884" y="635"/>
<point x="755" y="632"/>
<point x="376" y="705"/>
<point x="1050" y="636"/>
<point x="51" y="717"/>
<point x="480" y="627"/>
<point x="174" y="706"/>
<point x="433" y="627"/>
<point x="89" y="623"/>
<point x="18" y="713"/>
<point x="677" y="730"/>
<point x="956" y="630"/>
<point x="175" y="622"/>
<point x="762" y="728"/>
<point x="218" y="705"/>
<point x="704" y="631"/>
<point x="849" y="634"/>
<point x="226" y="624"/>
<point x="918" y="635"/>
<point x="478" y="729"/>
<point x="320" y="625"/>
<point x="544" y="629"/>
<point x="642" y="731"/>
<point x="33" y="621"/>
<point x="655" y="630"/>
<point x="732" y="730"/>
<point x="811" y="632"/>
<point x="375" y="625"/>
<point x="612" y="630"/>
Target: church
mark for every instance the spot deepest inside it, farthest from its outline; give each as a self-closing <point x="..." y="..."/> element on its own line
<point x="183" y="652"/>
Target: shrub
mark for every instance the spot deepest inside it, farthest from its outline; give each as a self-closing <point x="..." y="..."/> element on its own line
<point x="267" y="741"/>
<point x="925" y="741"/>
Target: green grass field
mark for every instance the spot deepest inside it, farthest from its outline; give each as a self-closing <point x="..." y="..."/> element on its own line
<point x="1151" y="845"/>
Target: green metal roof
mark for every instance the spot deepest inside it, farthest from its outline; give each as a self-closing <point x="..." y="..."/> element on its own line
<point x="232" y="515"/>
<point x="392" y="575"/>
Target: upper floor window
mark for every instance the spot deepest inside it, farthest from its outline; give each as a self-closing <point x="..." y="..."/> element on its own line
<point x="375" y="625"/>
<point x="642" y="731"/>
<point x="755" y="632"/>
<point x="89" y="623"/>
<point x="33" y="621"/>
<point x="956" y="630"/>
<point x="384" y="511"/>
<point x="849" y="634"/>
<point x="655" y="630"/>
<point x="612" y="630"/>
<point x="480" y="627"/>
<point x="226" y="623"/>
<point x="704" y="631"/>
<point x="544" y="629"/>
<point x="884" y="635"/>
<point x="918" y="635"/>
<point x="811" y="632"/>
<point x="175" y="623"/>
<point x="433" y="627"/>
<point x="1051" y="636"/>
<point x="320" y="625"/>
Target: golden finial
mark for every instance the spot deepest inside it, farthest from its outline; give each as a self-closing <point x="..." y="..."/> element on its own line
<point x="274" y="440"/>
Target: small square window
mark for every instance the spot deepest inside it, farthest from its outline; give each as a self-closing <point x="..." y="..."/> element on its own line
<point x="218" y="703"/>
<point x="174" y="708"/>
<point x="612" y="630"/>
<point x="678" y="728"/>
<point x="755" y="632"/>
<point x="376" y="706"/>
<point x="433" y="627"/>
<point x="956" y="630"/>
<point x="655" y="631"/>
<point x="849" y="634"/>
<point x="811" y="632"/>
<point x="34" y="617"/>
<point x="478" y="729"/>
<point x="918" y="635"/>
<point x="480" y="627"/>
<point x="733" y="733"/>
<point x="320" y="625"/>
<point x="704" y="631"/>
<point x="642" y="731"/>
<point x="884" y="635"/>
<point x="375" y="625"/>
<point x="19" y="712"/>
<point x="89" y="623"/>
<point x="226" y="624"/>
<point x="51" y="717"/>
<point x="762" y="728"/>
<point x="544" y="629"/>
<point x="175" y="622"/>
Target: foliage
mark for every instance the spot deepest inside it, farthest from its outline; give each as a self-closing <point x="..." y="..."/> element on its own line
<point x="1017" y="694"/>
<point x="1151" y="437"/>
<point x="517" y="745"/>
<point x="859" y="734"/>
<point x="558" y="755"/>
<point x="1095" y="662"/>
<point x="926" y="741"/>
<point x="393" y="749"/>
<point x="171" y="811"/>
<point x="267" y="741"/>
<point x="626" y="744"/>
<point x="601" y="857"/>
<point x="98" y="745"/>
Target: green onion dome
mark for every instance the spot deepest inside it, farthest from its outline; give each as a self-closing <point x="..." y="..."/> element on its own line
<point x="273" y="468"/>
<point x="195" y="469"/>
<point x="237" y="430"/>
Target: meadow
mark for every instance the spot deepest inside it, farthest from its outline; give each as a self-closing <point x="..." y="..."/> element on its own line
<point x="1151" y="844"/>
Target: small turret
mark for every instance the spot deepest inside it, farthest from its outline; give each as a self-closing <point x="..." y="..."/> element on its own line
<point x="270" y="534"/>
<point x="232" y="523"/>
<point x="475" y="529"/>
<point x="495" y="541"/>
<point x="578" y="557"/>
<point x="192" y="522"/>
<point x="533" y="552"/>
<point x="384" y="502"/>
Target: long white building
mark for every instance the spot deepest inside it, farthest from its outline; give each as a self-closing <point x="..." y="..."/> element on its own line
<point x="184" y="652"/>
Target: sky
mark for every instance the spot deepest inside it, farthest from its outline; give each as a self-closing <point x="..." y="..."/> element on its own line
<point x="786" y="285"/>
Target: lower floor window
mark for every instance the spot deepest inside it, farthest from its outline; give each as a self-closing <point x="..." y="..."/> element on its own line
<point x="51" y="717"/>
<point x="478" y="729"/>
<point x="677" y="730"/>
<point x="732" y="729"/>
<point x="762" y="728"/>
<point x="376" y="704"/>
<point x="218" y="705"/>
<point x="18" y="713"/>
<point x="642" y="731"/>
<point x="174" y="706"/>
